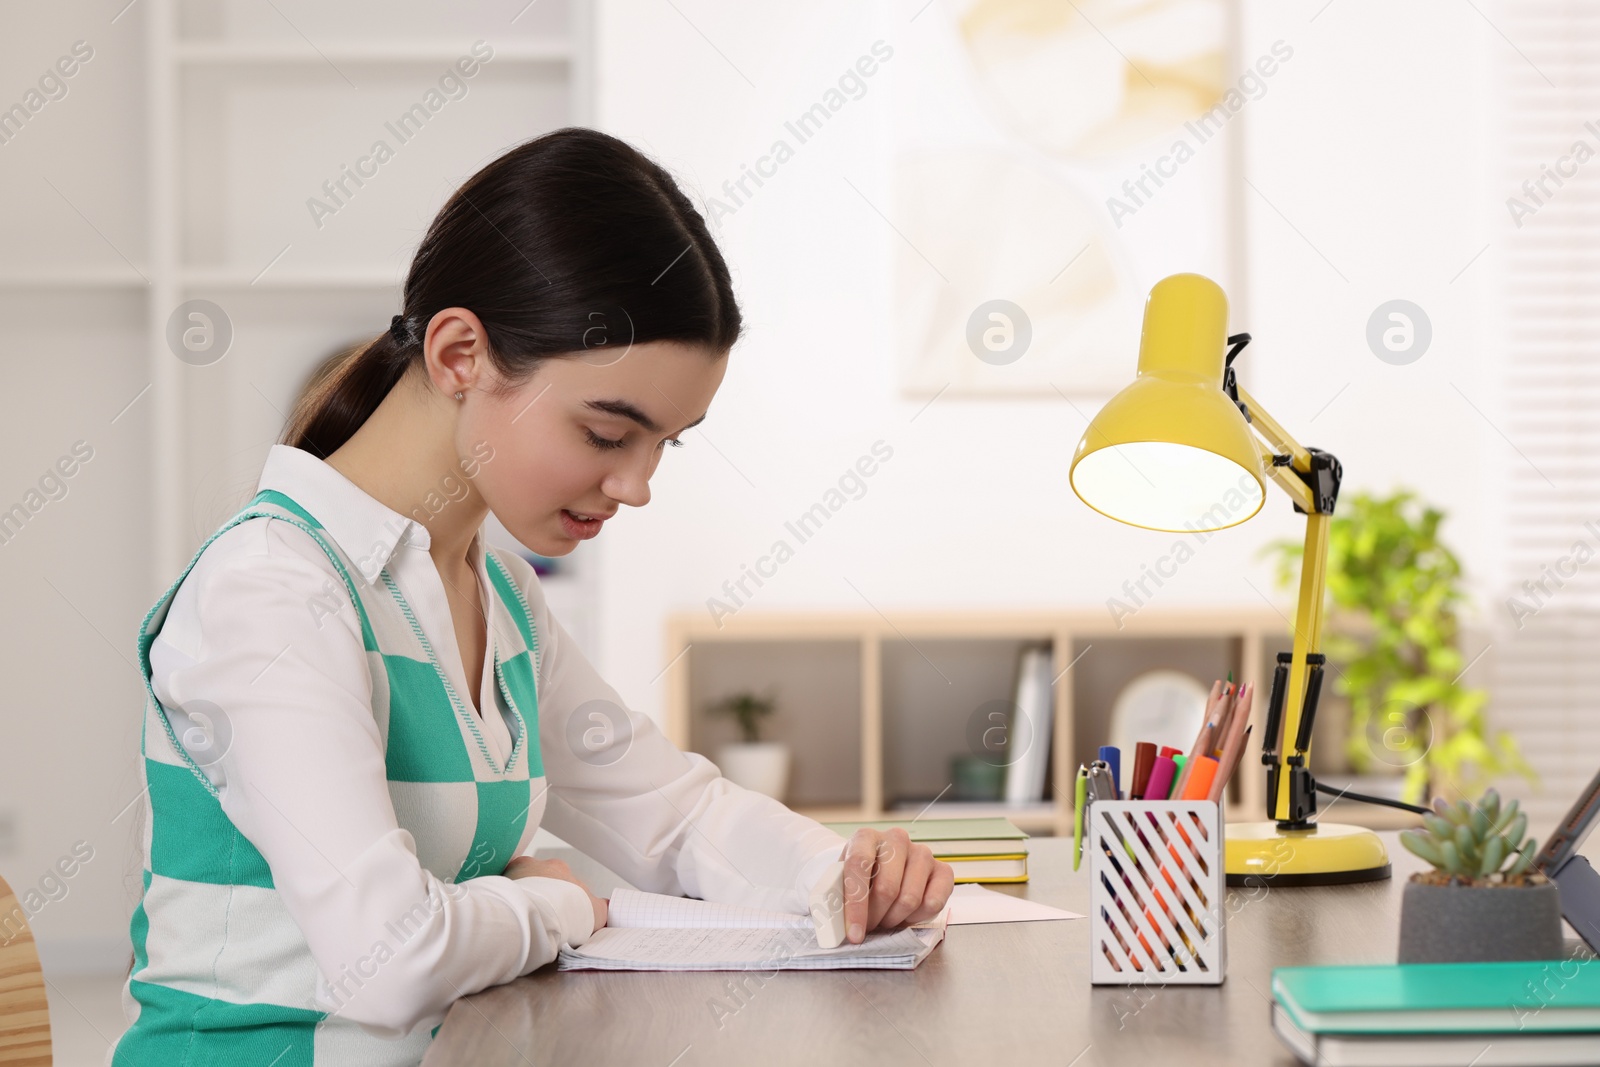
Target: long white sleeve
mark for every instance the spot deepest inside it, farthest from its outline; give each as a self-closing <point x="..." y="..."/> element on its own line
<point x="303" y="779"/>
<point x="663" y="819"/>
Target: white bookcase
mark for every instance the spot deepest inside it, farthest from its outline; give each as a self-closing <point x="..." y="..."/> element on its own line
<point x="225" y="118"/>
<point x="176" y="165"/>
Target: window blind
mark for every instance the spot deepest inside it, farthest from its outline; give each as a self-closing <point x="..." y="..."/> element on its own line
<point x="1546" y="679"/>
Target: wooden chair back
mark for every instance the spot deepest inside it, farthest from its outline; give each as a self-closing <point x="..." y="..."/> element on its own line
<point x="24" y="1009"/>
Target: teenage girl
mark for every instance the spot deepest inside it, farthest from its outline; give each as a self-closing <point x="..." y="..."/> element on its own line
<point x="359" y="713"/>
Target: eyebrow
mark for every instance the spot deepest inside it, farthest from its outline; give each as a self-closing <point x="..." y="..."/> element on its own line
<point x="629" y="410"/>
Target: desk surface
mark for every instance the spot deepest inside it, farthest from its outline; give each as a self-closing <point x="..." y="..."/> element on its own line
<point x="1008" y="993"/>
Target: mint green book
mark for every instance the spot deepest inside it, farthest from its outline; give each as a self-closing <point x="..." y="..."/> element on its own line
<point x="1543" y="996"/>
<point x="951" y="837"/>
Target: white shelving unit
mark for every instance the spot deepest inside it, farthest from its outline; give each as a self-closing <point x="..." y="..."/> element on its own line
<point x="192" y="53"/>
<point x="246" y="108"/>
<point x="176" y="164"/>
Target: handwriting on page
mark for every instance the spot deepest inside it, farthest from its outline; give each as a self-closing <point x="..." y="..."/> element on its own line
<point x="631" y="908"/>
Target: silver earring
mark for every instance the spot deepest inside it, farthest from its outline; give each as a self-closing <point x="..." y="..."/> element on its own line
<point x="458" y="396"/>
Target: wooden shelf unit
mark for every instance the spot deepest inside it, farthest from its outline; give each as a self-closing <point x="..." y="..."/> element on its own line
<point x="1249" y="636"/>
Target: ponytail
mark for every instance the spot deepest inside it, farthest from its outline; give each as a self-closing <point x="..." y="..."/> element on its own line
<point x="332" y="410"/>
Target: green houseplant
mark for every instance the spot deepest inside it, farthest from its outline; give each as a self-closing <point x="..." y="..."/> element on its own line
<point x="1388" y="567"/>
<point x="751" y="762"/>
<point x="1483" y="900"/>
<point x="747" y="709"/>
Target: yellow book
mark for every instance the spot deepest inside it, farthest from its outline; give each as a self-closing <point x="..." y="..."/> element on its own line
<point x="981" y="849"/>
<point x="1013" y="868"/>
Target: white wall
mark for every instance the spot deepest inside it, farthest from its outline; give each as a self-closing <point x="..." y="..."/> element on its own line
<point x="1369" y="141"/>
<point x="74" y="579"/>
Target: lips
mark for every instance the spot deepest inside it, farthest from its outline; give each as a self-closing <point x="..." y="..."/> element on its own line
<point x="581" y="525"/>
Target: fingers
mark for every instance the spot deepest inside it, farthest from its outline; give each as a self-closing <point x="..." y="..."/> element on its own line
<point x="913" y="884"/>
<point x="941" y="882"/>
<point x="894" y="848"/>
<point x="860" y="863"/>
<point x="873" y="863"/>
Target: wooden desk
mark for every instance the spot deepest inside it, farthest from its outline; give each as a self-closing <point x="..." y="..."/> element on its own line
<point x="1009" y="993"/>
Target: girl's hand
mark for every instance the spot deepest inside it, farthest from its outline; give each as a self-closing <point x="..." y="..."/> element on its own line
<point x="529" y="867"/>
<point x="888" y="880"/>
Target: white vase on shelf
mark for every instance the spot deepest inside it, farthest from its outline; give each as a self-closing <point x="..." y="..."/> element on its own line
<point x="759" y="765"/>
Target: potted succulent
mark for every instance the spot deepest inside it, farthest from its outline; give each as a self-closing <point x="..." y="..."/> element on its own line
<point x="1482" y="901"/>
<point x="751" y="762"/>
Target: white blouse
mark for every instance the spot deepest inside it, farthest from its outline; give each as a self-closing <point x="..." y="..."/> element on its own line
<point x="241" y="635"/>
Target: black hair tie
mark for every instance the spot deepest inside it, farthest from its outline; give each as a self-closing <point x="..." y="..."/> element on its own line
<point x="400" y="331"/>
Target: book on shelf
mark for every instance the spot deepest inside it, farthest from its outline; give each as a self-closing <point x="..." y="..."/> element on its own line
<point x="1028" y="748"/>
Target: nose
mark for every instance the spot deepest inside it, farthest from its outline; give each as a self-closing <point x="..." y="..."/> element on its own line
<point x="628" y="484"/>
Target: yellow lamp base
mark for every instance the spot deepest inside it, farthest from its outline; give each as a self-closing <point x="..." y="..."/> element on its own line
<point x="1330" y="853"/>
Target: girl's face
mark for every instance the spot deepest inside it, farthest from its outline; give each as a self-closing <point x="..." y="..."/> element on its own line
<point x="560" y="453"/>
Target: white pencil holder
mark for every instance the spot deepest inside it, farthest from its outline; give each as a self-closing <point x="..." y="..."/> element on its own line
<point x="1158" y="892"/>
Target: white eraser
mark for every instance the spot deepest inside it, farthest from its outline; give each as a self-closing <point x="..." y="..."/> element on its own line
<point x="827" y="906"/>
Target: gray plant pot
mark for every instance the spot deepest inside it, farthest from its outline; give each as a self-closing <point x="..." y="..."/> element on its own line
<point x="1478" y="924"/>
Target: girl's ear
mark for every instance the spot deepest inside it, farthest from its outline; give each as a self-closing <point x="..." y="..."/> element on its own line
<point x="455" y="350"/>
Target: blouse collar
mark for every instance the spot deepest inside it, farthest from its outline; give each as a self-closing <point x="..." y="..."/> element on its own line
<point x="367" y="530"/>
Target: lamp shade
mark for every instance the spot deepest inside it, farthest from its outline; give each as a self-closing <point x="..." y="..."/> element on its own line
<point x="1172" y="451"/>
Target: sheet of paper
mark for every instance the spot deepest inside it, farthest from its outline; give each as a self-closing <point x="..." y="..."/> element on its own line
<point x="974" y="903"/>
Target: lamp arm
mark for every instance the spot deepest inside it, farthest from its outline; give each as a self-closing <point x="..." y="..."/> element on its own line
<point x="1311" y="478"/>
<point x="1274" y="434"/>
<point x="1289" y="480"/>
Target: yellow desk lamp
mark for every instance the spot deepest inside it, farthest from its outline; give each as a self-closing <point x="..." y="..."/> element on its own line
<point x="1183" y="449"/>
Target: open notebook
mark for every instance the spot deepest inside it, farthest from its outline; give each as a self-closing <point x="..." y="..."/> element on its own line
<point x="654" y="932"/>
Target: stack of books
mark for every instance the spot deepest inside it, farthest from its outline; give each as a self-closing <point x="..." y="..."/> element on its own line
<point x="1444" y="1014"/>
<point x="980" y="850"/>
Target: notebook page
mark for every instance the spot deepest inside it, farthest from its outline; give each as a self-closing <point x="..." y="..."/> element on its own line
<point x="742" y="949"/>
<point x="633" y="909"/>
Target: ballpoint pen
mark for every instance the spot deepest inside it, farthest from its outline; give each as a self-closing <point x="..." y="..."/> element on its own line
<point x="1100" y="781"/>
<point x="1080" y="792"/>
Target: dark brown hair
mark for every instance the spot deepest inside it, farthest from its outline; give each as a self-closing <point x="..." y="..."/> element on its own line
<point x="568" y="242"/>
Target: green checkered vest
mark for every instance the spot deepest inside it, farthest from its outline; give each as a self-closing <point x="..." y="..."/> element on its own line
<point x="221" y="973"/>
